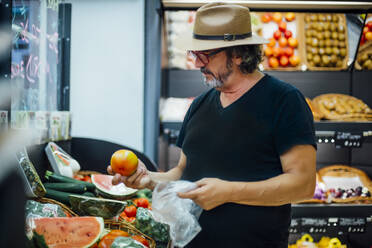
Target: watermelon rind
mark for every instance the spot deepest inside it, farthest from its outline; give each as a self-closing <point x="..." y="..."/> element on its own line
<point x="92" y="206"/>
<point x="112" y="194"/>
<point x="55" y="220"/>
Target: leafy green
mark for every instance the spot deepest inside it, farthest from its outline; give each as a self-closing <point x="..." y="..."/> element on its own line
<point x="146" y="224"/>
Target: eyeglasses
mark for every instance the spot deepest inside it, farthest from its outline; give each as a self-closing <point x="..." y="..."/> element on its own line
<point x="204" y="56"/>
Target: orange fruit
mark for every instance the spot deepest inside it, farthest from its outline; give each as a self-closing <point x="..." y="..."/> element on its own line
<point x="124" y="162"/>
<point x="368" y="36"/>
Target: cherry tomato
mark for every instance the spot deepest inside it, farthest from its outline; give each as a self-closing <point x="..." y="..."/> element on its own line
<point x="141" y="239"/>
<point x="130" y="211"/>
<point x="87" y="179"/>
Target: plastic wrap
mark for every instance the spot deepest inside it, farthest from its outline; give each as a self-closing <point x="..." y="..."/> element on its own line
<point x="36" y="210"/>
<point x="62" y="163"/>
<point x="180" y="214"/>
<point x="34" y="186"/>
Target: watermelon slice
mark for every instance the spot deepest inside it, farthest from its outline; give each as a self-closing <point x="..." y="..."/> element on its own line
<point x="108" y="190"/>
<point x="67" y="232"/>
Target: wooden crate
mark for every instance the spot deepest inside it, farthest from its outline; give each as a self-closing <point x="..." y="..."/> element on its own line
<point x="309" y="25"/>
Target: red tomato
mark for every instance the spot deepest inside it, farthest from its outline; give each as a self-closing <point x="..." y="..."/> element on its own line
<point x="141" y="239"/>
<point x="130" y="211"/>
<point x="142" y="202"/>
<point x="277" y="34"/>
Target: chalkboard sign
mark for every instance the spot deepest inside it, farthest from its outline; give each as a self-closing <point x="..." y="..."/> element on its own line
<point x="34" y="55"/>
<point x="345" y="139"/>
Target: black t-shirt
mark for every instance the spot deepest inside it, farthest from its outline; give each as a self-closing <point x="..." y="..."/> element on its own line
<point x="243" y="142"/>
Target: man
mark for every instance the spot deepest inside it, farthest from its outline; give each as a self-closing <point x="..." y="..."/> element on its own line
<point x="248" y="143"/>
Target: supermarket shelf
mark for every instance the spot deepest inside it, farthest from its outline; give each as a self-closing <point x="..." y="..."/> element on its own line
<point x="331" y="210"/>
<point x="324" y="129"/>
<point x="344" y="6"/>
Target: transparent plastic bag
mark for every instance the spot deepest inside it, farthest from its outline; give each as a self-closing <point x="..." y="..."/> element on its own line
<point x="180" y="214"/>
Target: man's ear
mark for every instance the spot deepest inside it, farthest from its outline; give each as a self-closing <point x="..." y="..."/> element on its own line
<point x="237" y="60"/>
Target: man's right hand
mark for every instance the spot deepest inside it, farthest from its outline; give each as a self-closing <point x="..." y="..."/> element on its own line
<point x="139" y="180"/>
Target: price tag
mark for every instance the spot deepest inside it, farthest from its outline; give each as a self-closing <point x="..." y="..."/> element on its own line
<point x="351" y="140"/>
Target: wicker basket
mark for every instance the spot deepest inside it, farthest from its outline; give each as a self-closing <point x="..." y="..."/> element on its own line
<point x="87" y="173"/>
<point x="66" y="209"/>
<point x="129" y="228"/>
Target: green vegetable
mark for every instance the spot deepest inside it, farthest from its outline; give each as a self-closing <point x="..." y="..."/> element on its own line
<point x="52" y="177"/>
<point x="37" y="241"/>
<point x="43" y="209"/>
<point x="58" y="196"/>
<point x="89" y="194"/>
<point x="146" y="224"/>
<point x="125" y="242"/>
<point x="144" y="193"/>
<point x="67" y="187"/>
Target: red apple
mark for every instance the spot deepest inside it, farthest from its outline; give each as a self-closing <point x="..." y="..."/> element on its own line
<point x="273" y="62"/>
<point x="265" y="18"/>
<point x="293" y="42"/>
<point x="268" y="51"/>
<point x="277" y="51"/>
<point x="272" y="42"/>
<point x="368" y="35"/>
<point x="282" y="26"/>
<point x="283" y="42"/>
<point x="294" y="60"/>
<point x="283" y="61"/>
<point x="287" y="34"/>
<point x="277" y="34"/>
<point x="369" y="25"/>
<point x="288" y="51"/>
<point x="277" y="17"/>
<point x="290" y="16"/>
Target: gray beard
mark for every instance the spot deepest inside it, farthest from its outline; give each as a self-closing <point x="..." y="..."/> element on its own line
<point x="214" y="83"/>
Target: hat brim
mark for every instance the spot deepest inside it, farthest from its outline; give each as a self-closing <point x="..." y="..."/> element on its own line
<point x="187" y="42"/>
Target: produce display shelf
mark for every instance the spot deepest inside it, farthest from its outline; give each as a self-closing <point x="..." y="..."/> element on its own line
<point x="324" y="129"/>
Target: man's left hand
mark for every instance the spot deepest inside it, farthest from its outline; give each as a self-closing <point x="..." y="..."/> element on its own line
<point x="210" y="193"/>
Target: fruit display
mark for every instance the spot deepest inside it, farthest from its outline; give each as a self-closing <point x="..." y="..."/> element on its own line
<point x="367" y="32"/>
<point x="364" y="59"/>
<point x="341" y="184"/>
<point x="326" y="41"/>
<point x="341" y="107"/>
<point x="307" y="241"/>
<point x="281" y="29"/>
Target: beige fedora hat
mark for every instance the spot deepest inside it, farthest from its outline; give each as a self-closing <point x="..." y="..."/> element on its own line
<point x="220" y="25"/>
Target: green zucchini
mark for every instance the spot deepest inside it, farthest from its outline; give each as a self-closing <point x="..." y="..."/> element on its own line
<point x="89" y="194"/>
<point x="52" y="177"/>
<point x="67" y="187"/>
<point x="58" y="196"/>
